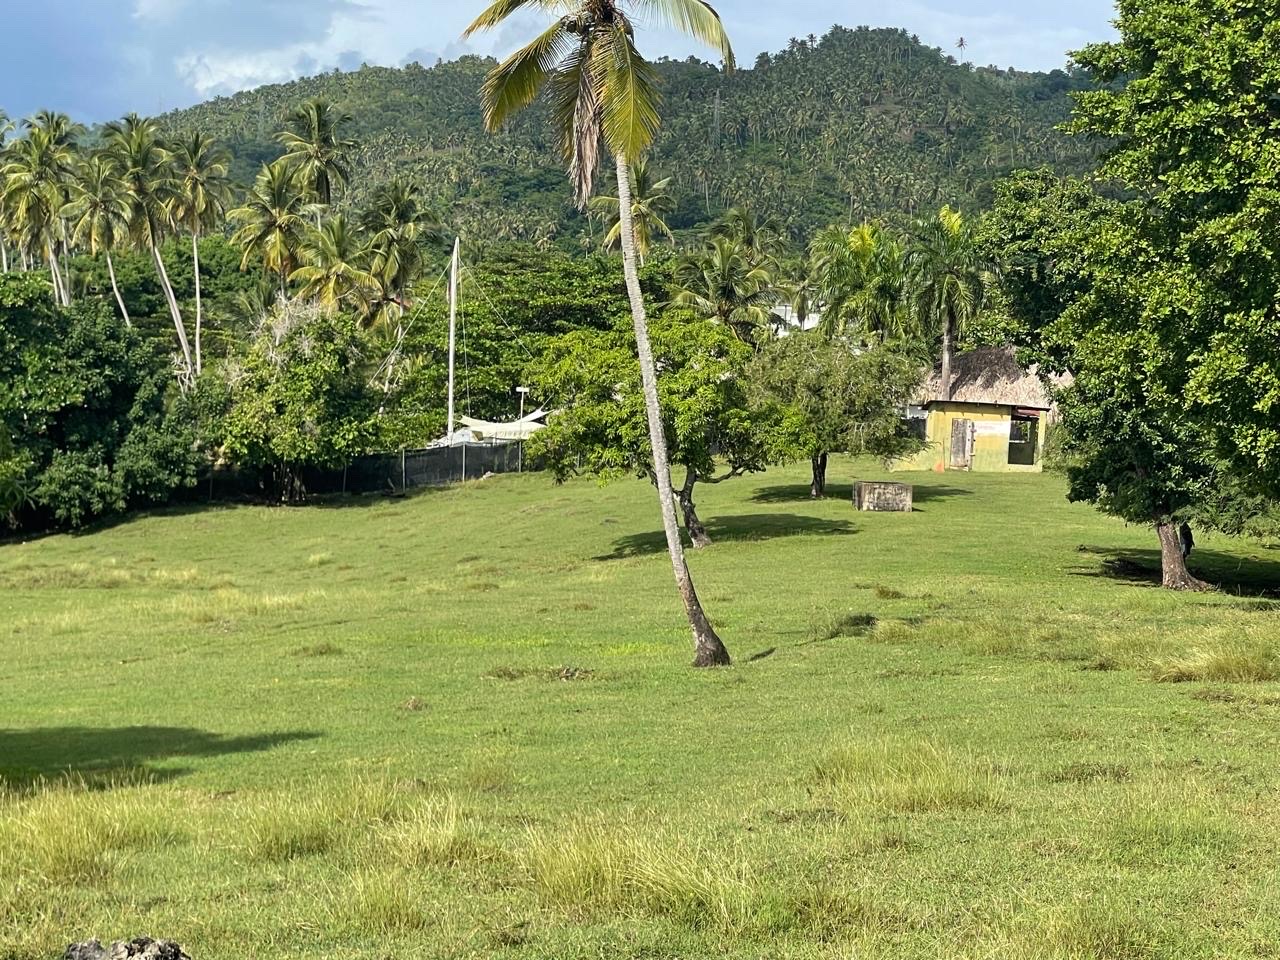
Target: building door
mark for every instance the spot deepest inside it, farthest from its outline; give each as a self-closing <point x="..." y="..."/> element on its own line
<point x="961" y="444"/>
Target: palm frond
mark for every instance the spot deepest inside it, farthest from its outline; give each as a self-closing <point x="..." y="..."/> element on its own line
<point x="500" y="10"/>
<point x="628" y="94"/>
<point x="694" y="18"/>
<point x="516" y="82"/>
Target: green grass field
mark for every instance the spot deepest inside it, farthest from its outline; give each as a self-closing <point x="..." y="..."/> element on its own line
<point x="463" y="725"/>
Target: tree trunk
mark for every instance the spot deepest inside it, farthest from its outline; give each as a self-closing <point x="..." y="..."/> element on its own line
<point x="684" y="496"/>
<point x="59" y="285"/>
<point x="818" y="488"/>
<point x="4" y="256"/>
<point x="174" y="312"/>
<point x="195" y="266"/>
<point x="1173" y="562"/>
<point x="115" y="288"/>
<point x="708" y="650"/>
<point x="948" y="352"/>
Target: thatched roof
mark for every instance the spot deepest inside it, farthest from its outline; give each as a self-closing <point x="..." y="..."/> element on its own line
<point x="991" y="375"/>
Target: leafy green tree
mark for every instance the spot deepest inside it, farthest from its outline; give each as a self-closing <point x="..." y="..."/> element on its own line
<point x="316" y="148"/>
<point x="98" y="214"/>
<point x="199" y="205"/>
<point x="86" y="428"/>
<point x="602" y="93"/>
<point x="590" y="377"/>
<point x="1074" y="306"/>
<point x="651" y="201"/>
<point x="833" y="397"/>
<point x="1187" y="97"/>
<point x="296" y="396"/>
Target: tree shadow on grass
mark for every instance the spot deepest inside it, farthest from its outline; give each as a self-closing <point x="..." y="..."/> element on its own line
<point x="112" y="756"/>
<point x="1232" y="574"/>
<point x="746" y="527"/>
<point x="799" y="493"/>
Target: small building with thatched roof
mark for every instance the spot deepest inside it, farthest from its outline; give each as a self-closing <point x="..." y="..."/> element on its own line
<point x="995" y="420"/>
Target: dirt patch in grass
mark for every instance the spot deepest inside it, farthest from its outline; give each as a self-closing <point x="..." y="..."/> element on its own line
<point x="847" y="625"/>
<point x="324" y="649"/>
<point x="1091" y="771"/>
<point x="565" y="673"/>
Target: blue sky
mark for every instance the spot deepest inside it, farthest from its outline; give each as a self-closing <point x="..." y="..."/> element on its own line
<point x="98" y="59"/>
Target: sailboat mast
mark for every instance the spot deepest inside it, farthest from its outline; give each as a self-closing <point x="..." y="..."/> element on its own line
<point x="453" y="325"/>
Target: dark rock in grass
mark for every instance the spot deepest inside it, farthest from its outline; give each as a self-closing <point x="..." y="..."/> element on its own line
<point x="143" y="947"/>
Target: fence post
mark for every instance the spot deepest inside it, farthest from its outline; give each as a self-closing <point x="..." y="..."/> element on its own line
<point x="404" y="486"/>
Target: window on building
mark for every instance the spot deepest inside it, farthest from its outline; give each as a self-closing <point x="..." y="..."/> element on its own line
<point x="1024" y="440"/>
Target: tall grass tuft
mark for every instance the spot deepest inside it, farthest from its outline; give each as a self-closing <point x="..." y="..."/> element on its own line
<point x="597" y="868"/>
<point x="1231" y="663"/>
<point x="313" y="820"/>
<point x="70" y="834"/>
<point x="909" y="776"/>
<point x="433" y="834"/>
<point x="381" y="903"/>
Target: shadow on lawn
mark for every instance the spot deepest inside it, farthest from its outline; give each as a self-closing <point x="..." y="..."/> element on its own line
<point x="1242" y="576"/>
<point x="116" y="755"/>
<point x="755" y="526"/>
<point x="799" y="493"/>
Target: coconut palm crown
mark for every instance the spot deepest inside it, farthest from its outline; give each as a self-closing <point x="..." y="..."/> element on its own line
<point x="601" y="88"/>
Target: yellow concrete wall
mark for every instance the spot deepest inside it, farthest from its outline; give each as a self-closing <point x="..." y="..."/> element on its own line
<point x="990" y="447"/>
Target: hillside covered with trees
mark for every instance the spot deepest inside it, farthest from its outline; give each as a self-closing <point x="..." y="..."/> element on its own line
<point x="859" y="124"/>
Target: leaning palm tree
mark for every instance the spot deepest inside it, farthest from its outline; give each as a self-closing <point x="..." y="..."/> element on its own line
<point x="99" y="214"/>
<point x="602" y="93"/>
<point x="199" y="204"/>
<point x="334" y="271"/>
<point x="147" y="169"/>
<point x="950" y="277"/>
<point x="650" y="203"/>
<point x="316" y="148"/>
<point x="272" y="222"/>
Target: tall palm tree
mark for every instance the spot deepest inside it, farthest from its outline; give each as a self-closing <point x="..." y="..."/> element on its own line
<point x="602" y="92"/>
<point x="147" y="169"/>
<point x="37" y="172"/>
<point x="950" y="277"/>
<point x="200" y="202"/>
<point x="316" y="148"/>
<point x="650" y="203"/>
<point x="397" y="223"/>
<point x="272" y="222"/>
<point x="722" y="283"/>
<point x="334" y="271"/>
<point x="99" y="214"/>
<point x="864" y="279"/>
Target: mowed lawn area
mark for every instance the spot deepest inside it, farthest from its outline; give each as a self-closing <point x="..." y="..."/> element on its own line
<point x="463" y="724"/>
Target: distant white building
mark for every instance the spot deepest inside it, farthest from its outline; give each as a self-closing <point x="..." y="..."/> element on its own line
<point x="786" y="320"/>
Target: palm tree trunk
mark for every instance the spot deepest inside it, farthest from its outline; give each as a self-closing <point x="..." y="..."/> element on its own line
<point x="709" y="651"/>
<point x="115" y="288"/>
<point x="4" y="256"/>
<point x="59" y="287"/>
<point x="948" y="352"/>
<point x="195" y="266"/>
<point x="174" y="312"/>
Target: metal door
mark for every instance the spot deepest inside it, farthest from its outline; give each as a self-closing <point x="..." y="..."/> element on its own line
<point x="961" y="444"/>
